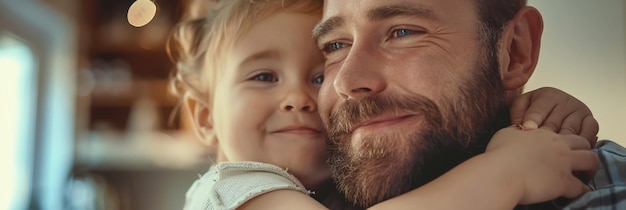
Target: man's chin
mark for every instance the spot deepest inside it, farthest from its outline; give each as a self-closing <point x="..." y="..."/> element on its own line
<point x="376" y="146"/>
<point x="384" y="166"/>
<point x="375" y="169"/>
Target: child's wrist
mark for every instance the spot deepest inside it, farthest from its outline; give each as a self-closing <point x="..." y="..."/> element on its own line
<point x="505" y="177"/>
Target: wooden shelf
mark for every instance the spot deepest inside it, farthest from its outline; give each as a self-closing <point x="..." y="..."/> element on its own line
<point x="124" y="139"/>
<point x="110" y="150"/>
<point x="126" y="93"/>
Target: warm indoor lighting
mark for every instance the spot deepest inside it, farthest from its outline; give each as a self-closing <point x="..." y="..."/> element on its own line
<point x="141" y="13"/>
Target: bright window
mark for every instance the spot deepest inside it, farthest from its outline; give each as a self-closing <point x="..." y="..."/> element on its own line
<point x="17" y="121"/>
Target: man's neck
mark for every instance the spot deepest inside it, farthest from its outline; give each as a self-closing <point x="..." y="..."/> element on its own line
<point x="453" y="156"/>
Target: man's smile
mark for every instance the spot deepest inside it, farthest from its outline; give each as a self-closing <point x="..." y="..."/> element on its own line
<point x="385" y="121"/>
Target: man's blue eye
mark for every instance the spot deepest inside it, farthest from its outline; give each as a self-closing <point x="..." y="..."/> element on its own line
<point x="403" y="32"/>
<point x="334" y="46"/>
<point x="265" y="77"/>
<point x="318" y="80"/>
<point x="337" y="46"/>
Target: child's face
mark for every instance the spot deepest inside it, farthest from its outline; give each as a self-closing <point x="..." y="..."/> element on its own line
<point x="265" y="105"/>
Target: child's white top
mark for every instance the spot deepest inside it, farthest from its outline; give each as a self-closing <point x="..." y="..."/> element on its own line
<point x="228" y="185"/>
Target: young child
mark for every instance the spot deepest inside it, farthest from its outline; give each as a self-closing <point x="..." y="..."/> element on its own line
<point x="249" y="72"/>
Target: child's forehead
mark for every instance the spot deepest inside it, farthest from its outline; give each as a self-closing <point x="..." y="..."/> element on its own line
<point x="239" y="24"/>
<point x="252" y="21"/>
<point x="279" y="35"/>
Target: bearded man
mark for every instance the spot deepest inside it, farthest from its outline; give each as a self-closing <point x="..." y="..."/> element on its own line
<point x="415" y="87"/>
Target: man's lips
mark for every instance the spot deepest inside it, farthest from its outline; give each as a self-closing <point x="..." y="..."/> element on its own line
<point x="382" y="121"/>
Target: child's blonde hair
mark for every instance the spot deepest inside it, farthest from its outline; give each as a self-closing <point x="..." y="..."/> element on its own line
<point x="199" y="46"/>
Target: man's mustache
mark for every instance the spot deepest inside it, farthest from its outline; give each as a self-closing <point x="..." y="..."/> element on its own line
<point x="351" y="113"/>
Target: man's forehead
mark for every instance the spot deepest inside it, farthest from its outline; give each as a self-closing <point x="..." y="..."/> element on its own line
<point x="334" y="18"/>
<point x="340" y="13"/>
<point x="401" y="8"/>
<point x="358" y="8"/>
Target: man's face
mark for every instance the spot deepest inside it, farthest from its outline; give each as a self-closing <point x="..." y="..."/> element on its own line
<point x="411" y="90"/>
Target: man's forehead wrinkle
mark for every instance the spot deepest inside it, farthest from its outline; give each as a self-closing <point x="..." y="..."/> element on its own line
<point x="402" y="9"/>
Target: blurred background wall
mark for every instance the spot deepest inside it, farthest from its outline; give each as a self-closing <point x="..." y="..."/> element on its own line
<point x="86" y="110"/>
<point x="86" y="115"/>
<point x="583" y="52"/>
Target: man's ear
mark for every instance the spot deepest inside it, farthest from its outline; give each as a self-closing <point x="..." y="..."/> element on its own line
<point x="519" y="48"/>
<point x="202" y="121"/>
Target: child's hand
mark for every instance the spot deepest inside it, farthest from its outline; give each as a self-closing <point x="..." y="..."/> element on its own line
<point x="556" y="110"/>
<point x="541" y="163"/>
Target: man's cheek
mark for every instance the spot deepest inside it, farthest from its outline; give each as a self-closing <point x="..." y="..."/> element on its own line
<point x="326" y="98"/>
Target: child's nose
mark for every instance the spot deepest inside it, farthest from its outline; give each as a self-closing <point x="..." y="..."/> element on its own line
<point x="298" y="101"/>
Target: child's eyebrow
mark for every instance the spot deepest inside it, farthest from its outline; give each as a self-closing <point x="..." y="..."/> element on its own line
<point x="266" y="54"/>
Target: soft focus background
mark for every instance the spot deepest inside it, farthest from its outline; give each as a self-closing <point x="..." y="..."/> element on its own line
<point x="583" y="52"/>
<point x="85" y="116"/>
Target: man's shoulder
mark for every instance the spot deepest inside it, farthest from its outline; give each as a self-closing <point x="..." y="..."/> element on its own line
<point x="609" y="183"/>
<point x="610" y="146"/>
<point x="609" y="197"/>
<point x="612" y="170"/>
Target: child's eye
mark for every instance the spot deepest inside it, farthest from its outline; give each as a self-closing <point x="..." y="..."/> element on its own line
<point x="318" y="80"/>
<point x="265" y="77"/>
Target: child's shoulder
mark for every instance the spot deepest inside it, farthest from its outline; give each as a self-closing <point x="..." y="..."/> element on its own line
<point x="230" y="184"/>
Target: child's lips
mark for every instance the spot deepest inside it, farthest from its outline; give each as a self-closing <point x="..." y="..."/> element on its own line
<point x="298" y="130"/>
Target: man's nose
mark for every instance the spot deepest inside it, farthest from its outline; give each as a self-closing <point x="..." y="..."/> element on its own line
<point x="360" y="74"/>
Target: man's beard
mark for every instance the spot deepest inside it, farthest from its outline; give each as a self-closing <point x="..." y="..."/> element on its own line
<point x="384" y="166"/>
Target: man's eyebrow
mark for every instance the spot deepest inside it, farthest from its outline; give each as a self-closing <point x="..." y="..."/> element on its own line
<point x="325" y="27"/>
<point x="407" y="9"/>
<point x="267" y="54"/>
<point x="376" y="14"/>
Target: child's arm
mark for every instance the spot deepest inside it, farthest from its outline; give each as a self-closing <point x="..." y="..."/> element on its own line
<point x="550" y="108"/>
<point x="519" y="167"/>
<point x="556" y="110"/>
<point x="282" y="199"/>
<point x="486" y="181"/>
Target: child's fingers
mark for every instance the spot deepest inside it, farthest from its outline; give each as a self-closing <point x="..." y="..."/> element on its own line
<point x="580" y="123"/>
<point x="572" y="124"/>
<point x="583" y="161"/>
<point x="530" y="125"/>
<point x="576" y="142"/>
<point x="559" y="118"/>
<point x="590" y="129"/>
<point x="537" y="113"/>
<point x="518" y="108"/>
<point x="574" y="188"/>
